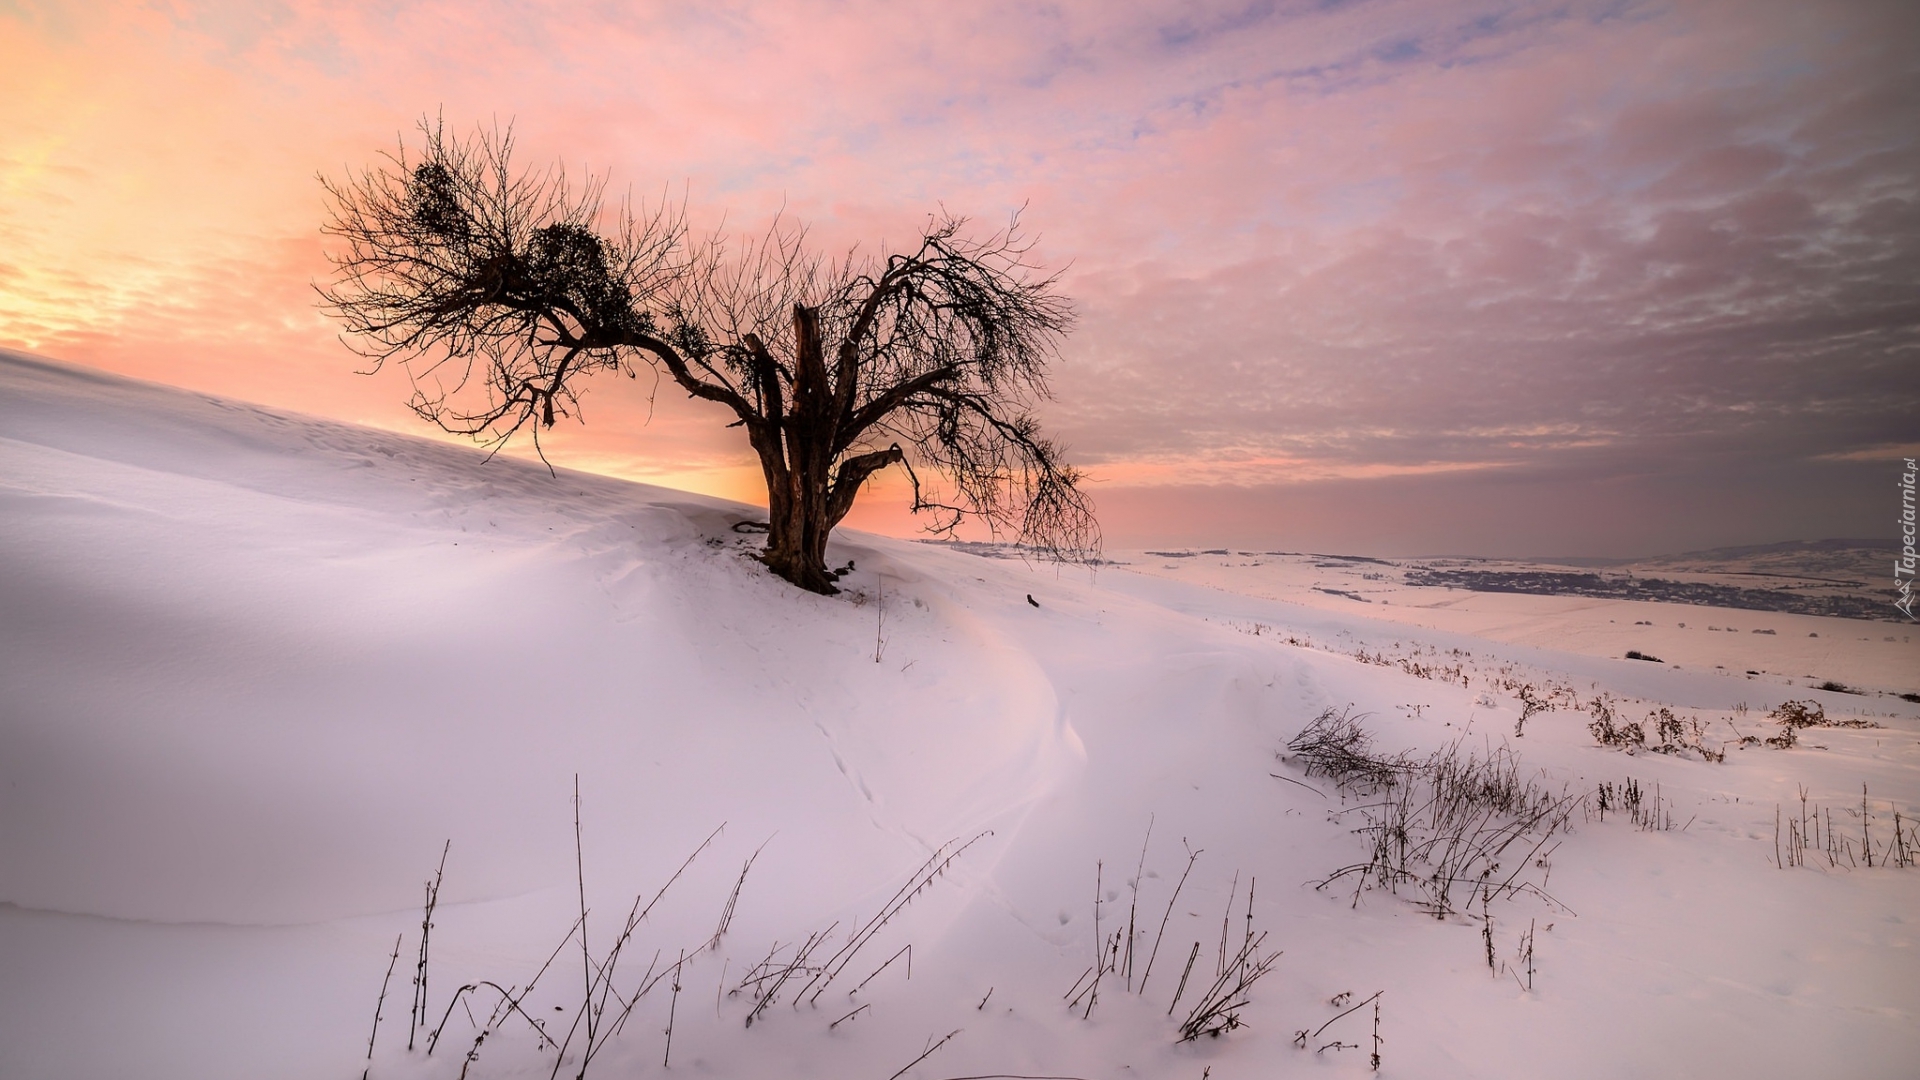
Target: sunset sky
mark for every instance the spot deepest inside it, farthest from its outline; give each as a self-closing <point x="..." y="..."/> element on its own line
<point x="1441" y="277"/>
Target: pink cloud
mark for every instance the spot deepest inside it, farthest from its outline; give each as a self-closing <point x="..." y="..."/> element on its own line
<point x="1309" y="242"/>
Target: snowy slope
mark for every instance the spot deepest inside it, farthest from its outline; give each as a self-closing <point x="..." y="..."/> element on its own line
<point x="256" y="669"/>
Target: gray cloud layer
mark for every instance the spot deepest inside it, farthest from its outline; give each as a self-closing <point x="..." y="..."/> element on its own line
<point x="1330" y="256"/>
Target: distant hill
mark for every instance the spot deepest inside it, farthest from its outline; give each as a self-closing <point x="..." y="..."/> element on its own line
<point x="1868" y="562"/>
<point x="1794" y="555"/>
<point x="1841" y="577"/>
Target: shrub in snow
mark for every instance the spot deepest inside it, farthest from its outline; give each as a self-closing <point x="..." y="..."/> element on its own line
<point x="1433" y="825"/>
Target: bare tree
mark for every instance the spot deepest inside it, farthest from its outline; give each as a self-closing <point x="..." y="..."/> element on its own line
<point x="500" y="291"/>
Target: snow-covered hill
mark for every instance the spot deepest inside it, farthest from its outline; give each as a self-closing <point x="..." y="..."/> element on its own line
<point x="256" y="669"/>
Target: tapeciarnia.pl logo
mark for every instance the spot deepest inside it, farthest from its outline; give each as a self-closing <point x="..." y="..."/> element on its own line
<point x="1903" y="567"/>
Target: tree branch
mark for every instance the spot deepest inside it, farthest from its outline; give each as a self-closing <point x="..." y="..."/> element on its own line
<point x="853" y="472"/>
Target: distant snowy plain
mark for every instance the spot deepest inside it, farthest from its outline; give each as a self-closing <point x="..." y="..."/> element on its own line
<point x="256" y="669"/>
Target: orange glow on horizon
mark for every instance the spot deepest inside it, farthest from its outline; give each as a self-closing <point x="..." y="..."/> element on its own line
<point x="1310" y="248"/>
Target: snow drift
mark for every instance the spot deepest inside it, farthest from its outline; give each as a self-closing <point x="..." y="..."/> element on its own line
<point x="259" y="668"/>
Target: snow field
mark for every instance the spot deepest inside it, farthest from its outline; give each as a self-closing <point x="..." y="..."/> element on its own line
<point x="259" y="668"/>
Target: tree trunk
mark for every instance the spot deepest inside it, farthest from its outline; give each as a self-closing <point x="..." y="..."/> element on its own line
<point x="806" y="494"/>
<point x="797" y="460"/>
<point x="797" y="542"/>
